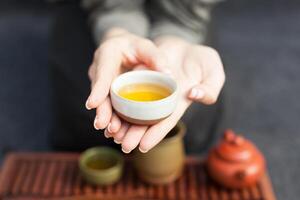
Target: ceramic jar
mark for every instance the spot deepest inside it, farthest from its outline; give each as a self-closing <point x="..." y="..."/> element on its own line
<point x="164" y="163"/>
<point x="235" y="162"/>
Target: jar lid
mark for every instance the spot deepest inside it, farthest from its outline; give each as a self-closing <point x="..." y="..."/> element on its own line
<point x="235" y="148"/>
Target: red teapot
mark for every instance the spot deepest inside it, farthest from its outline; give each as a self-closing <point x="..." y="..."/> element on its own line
<point x="235" y="162"/>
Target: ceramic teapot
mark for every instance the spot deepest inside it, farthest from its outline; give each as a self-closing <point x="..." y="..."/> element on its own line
<point x="235" y="162"/>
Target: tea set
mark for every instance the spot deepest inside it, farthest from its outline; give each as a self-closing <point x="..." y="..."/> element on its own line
<point x="146" y="97"/>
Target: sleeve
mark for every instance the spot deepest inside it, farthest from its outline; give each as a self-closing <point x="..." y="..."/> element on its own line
<point x="187" y="19"/>
<point x="126" y="14"/>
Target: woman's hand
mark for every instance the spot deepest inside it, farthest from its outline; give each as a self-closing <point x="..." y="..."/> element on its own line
<point x="119" y="51"/>
<point x="199" y="73"/>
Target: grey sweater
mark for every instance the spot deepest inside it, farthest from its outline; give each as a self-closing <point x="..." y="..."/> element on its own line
<point x="187" y="19"/>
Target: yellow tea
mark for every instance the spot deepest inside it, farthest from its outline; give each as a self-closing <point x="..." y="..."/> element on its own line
<point x="144" y="92"/>
<point x="100" y="163"/>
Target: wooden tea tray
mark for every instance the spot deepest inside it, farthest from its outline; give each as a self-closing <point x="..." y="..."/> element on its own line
<point x="33" y="176"/>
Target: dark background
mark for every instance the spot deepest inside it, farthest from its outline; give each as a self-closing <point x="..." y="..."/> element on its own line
<point x="259" y="42"/>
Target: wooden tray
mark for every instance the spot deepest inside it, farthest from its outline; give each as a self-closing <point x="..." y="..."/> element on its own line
<point x="33" y="176"/>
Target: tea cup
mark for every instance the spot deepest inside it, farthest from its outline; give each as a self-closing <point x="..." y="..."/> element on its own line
<point x="101" y="165"/>
<point x="144" y="112"/>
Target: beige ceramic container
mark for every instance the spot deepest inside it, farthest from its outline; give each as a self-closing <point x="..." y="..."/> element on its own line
<point x="143" y="113"/>
<point x="165" y="162"/>
<point x="101" y="165"/>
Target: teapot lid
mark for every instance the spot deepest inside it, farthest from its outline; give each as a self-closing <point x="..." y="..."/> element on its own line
<point x="235" y="147"/>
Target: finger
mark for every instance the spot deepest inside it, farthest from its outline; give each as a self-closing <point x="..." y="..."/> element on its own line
<point x="151" y="56"/>
<point x="92" y="72"/>
<point x="107" y="134"/>
<point x="106" y="69"/>
<point x="208" y="90"/>
<point x="196" y="93"/>
<point x="133" y="137"/>
<point x="115" y="124"/>
<point x="158" y="131"/>
<point x="140" y="67"/>
<point x="103" y="114"/>
<point x="118" y="136"/>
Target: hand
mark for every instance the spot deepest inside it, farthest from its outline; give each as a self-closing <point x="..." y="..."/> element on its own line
<point x="200" y="76"/>
<point x="119" y="51"/>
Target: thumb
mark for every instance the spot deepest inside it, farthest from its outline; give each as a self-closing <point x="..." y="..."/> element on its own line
<point x="104" y="72"/>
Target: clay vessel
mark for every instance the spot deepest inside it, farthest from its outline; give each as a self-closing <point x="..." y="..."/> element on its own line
<point x="101" y="165"/>
<point x="164" y="163"/>
<point x="235" y="162"/>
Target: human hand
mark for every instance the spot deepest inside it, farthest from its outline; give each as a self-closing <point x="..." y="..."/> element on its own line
<point x="199" y="73"/>
<point x="119" y="51"/>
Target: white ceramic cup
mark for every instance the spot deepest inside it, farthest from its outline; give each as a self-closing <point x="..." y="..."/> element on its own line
<point x="143" y="112"/>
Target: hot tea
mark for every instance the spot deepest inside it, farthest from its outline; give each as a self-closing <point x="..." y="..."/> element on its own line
<point x="144" y="92"/>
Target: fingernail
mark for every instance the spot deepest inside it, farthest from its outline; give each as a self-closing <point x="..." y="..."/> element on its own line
<point x="142" y="150"/>
<point x="87" y="104"/>
<point x="125" y="151"/>
<point x="95" y="123"/>
<point x="200" y="94"/>
<point x="106" y="134"/>
<point x="117" y="141"/>
<point x="109" y="128"/>
<point x="194" y="93"/>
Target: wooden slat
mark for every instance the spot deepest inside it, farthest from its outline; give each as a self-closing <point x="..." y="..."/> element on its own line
<point x="22" y="170"/>
<point x="255" y="192"/>
<point x="29" y="178"/>
<point x="234" y="195"/>
<point x="87" y="189"/>
<point x="202" y="183"/>
<point x="99" y="191"/>
<point x="129" y="181"/>
<point x="77" y="183"/>
<point x="150" y="191"/>
<point x="8" y="172"/>
<point x="47" y="189"/>
<point x="182" y="186"/>
<point x="245" y="193"/>
<point x="224" y="194"/>
<point x="159" y="192"/>
<point x="213" y="193"/>
<point x="119" y="189"/>
<point x="60" y="182"/>
<point x="69" y="177"/>
<point x="192" y="187"/>
<point x="171" y="191"/>
<point x="39" y="181"/>
<point x="140" y="187"/>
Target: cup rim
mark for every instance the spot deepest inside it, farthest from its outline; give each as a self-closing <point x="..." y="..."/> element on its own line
<point x="90" y="152"/>
<point x="174" y="92"/>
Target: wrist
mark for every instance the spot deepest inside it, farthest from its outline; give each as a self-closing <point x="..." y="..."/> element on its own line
<point x="169" y="38"/>
<point x="113" y="32"/>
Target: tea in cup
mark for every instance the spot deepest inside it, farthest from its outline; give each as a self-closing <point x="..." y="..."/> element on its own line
<point x="144" y="92"/>
<point x="144" y="97"/>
